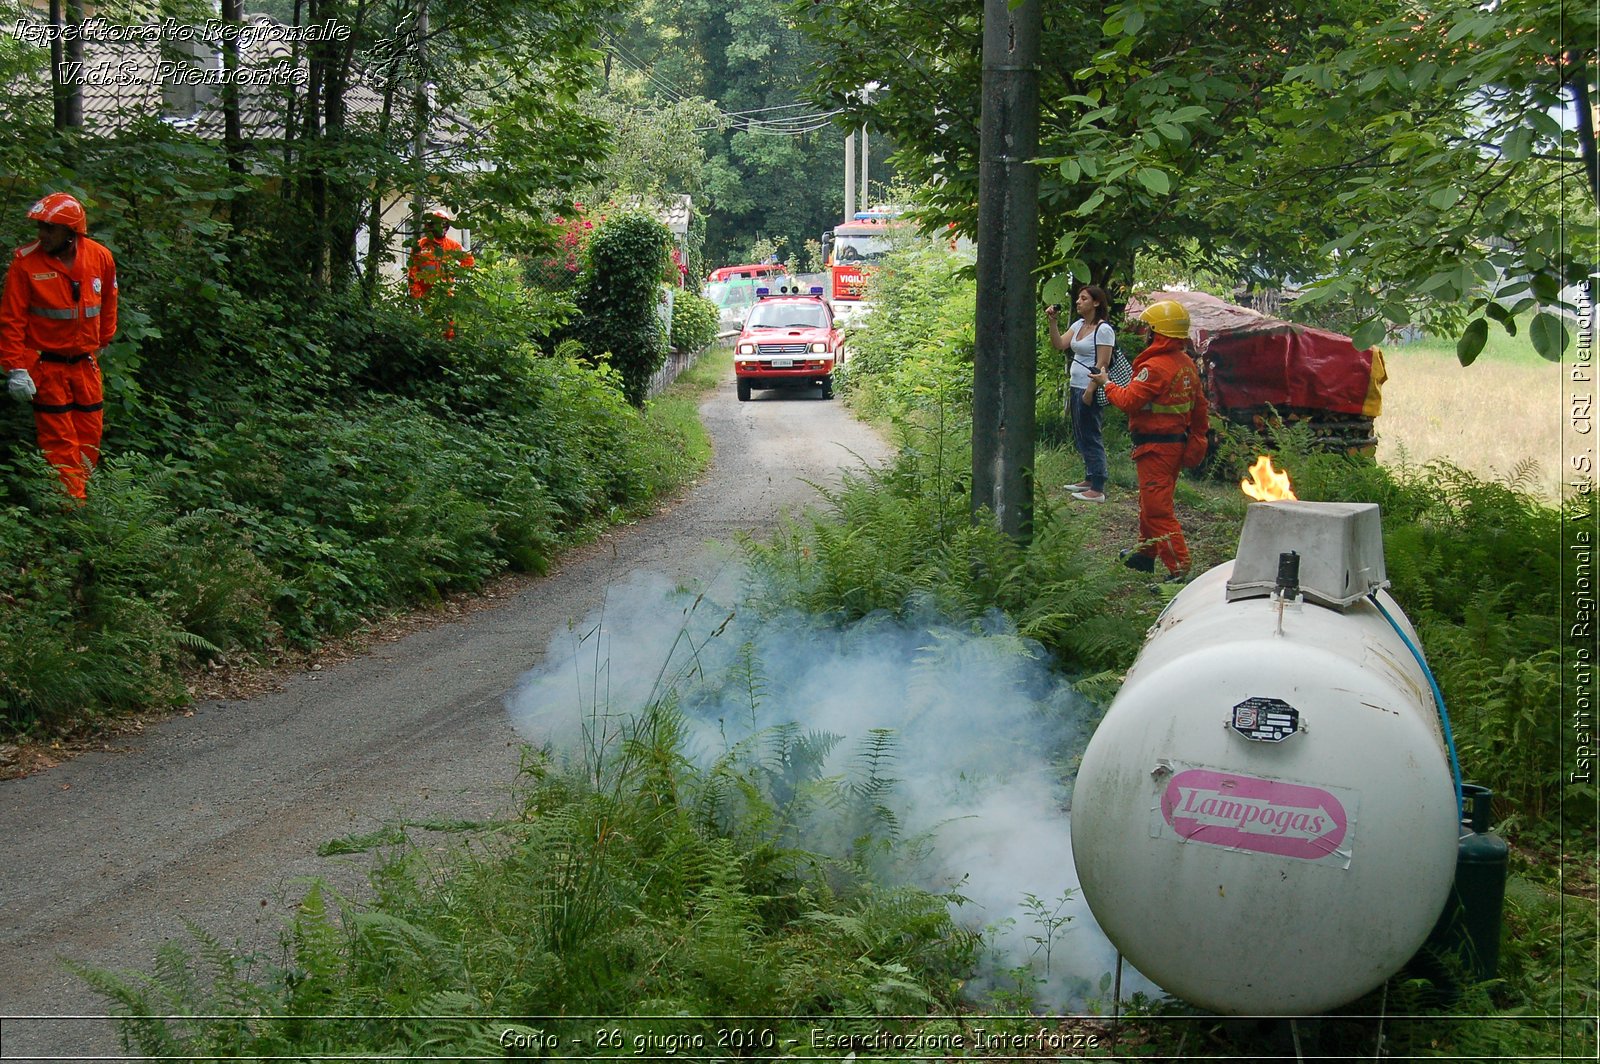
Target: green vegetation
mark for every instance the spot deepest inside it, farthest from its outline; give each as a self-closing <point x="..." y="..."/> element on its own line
<point x="284" y="525"/>
<point x="919" y="343"/>
<point x="618" y="296"/>
<point x="310" y="463"/>
<point x="709" y="370"/>
<point x="1475" y="564"/>
<point x="695" y="320"/>
<point x="1500" y="346"/>
<point x="629" y="884"/>
<point x="293" y="446"/>
<point x="1244" y="139"/>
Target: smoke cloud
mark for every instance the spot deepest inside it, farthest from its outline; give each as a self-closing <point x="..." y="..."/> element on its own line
<point x="981" y="732"/>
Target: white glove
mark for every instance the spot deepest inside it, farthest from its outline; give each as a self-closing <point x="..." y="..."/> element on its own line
<point x="20" y="384"/>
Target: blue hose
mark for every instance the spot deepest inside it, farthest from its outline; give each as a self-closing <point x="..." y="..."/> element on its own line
<point x="1438" y="700"/>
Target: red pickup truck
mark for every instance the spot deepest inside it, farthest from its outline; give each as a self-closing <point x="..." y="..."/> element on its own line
<point x="789" y="340"/>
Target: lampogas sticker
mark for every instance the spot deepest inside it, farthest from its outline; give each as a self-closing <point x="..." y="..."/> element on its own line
<point x="1253" y="814"/>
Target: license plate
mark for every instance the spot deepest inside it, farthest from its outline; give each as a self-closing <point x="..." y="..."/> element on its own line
<point x="782" y="363"/>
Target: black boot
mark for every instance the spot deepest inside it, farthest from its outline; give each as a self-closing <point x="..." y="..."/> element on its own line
<point x="1138" y="562"/>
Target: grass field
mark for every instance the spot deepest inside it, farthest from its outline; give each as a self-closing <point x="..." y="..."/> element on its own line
<point x="1489" y="418"/>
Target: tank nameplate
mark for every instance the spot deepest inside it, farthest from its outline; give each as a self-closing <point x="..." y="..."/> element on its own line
<point x="1265" y="720"/>
<point x="1255" y="815"/>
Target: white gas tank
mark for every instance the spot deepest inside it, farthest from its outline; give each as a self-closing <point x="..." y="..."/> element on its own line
<point x="1265" y="822"/>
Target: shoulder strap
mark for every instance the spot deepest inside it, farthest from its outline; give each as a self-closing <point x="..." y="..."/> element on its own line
<point x="1094" y="352"/>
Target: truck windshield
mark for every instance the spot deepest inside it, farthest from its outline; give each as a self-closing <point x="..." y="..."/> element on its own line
<point x="788" y="316"/>
<point x="731" y="293"/>
<point x="865" y="247"/>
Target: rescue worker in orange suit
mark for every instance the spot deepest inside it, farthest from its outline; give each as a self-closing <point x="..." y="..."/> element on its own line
<point x="1167" y="414"/>
<point x="58" y="311"/>
<point x="436" y="260"/>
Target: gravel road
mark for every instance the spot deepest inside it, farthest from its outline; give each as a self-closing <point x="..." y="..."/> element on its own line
<point x="216" y="818"/>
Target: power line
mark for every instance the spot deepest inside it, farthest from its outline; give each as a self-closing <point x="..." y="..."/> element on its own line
<point x="630" y="60"/>
<point x="775" y="107"/>
<point x="782" y="126"/>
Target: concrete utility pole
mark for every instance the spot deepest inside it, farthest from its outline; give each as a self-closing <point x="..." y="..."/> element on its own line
<point x="1008" y="230"/>
<point x="866" y="197"/>
<point x="849" y="175"/>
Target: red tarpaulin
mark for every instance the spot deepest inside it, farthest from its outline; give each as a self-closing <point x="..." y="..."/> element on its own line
<point x="1254" y="360"/>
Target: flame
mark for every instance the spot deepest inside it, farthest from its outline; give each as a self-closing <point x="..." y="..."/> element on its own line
<point x="1267" y="484"/>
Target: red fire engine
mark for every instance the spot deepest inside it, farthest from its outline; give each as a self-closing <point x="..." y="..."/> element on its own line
<point x="852" y="247"/>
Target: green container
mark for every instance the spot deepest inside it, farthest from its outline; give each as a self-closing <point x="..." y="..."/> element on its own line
<point x="1480" y="891"/>
<point x="1466" y="939"/>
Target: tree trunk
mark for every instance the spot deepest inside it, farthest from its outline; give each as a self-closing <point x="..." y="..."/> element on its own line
<point x="342" y="218"/>
<point x="422" y="117"/>
<point x="232" y="132"/>
<point x="74" y="114"/>
<point x="1006" y="357"/>
<point x="66" y="66"/>
<point x="291" y="120"/>
<point x="315" y="179"/>
<point x="375" y="241"/>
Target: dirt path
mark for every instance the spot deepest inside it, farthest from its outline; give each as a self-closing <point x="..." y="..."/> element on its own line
<point x="216" y="818"/>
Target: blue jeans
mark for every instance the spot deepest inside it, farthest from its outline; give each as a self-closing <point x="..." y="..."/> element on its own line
<point x="1086" y="437"/>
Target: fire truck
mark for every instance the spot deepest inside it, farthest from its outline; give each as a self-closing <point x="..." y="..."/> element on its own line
<point x="850" y="249"/>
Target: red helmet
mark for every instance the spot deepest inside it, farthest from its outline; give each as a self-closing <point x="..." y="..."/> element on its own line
<point x="58" y="208"/>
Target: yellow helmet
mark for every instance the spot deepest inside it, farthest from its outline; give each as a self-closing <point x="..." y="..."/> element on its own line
<point x="1167" y="318"/>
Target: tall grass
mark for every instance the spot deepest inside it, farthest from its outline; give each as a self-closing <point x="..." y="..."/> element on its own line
<point x="1499" y="418"/>
<point x="900" y="540"/>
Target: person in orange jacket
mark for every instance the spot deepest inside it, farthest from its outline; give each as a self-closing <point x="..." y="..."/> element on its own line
<point x="1167" y="412"/>
<point x="436" y="259"/>
<point x="58" y="311"/>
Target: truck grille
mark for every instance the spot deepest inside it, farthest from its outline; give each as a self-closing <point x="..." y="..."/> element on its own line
<point x="767" y="350"/>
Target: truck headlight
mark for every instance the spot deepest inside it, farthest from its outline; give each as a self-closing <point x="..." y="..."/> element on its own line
<point x="747" y="349"/>
<point x="819" y="348"/>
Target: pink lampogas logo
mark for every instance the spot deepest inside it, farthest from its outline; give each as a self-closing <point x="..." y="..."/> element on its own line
<point x="1259" y="815"/>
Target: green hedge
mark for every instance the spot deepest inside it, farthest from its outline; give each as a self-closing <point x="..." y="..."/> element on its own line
<point x="618" y="294"/>
<point x="291" y="524"/>
<point x="695" y="320"/>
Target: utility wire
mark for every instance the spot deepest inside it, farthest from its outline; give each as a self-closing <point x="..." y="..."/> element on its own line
<point x="782" y="126"/>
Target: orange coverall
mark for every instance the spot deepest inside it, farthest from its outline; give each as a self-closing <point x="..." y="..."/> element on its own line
<point x="1166" y="405"/>
<point x="54" y="320"/>
<point x="434" y="261"/>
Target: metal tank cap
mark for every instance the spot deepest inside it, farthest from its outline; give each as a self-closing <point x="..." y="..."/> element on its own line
<point x="1340" y="546"/>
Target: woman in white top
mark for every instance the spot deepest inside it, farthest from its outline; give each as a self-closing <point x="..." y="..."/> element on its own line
<point x="1088" y="342"/>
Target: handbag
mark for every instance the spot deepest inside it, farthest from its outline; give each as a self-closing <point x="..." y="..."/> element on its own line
<point x="1120" y="370"/>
